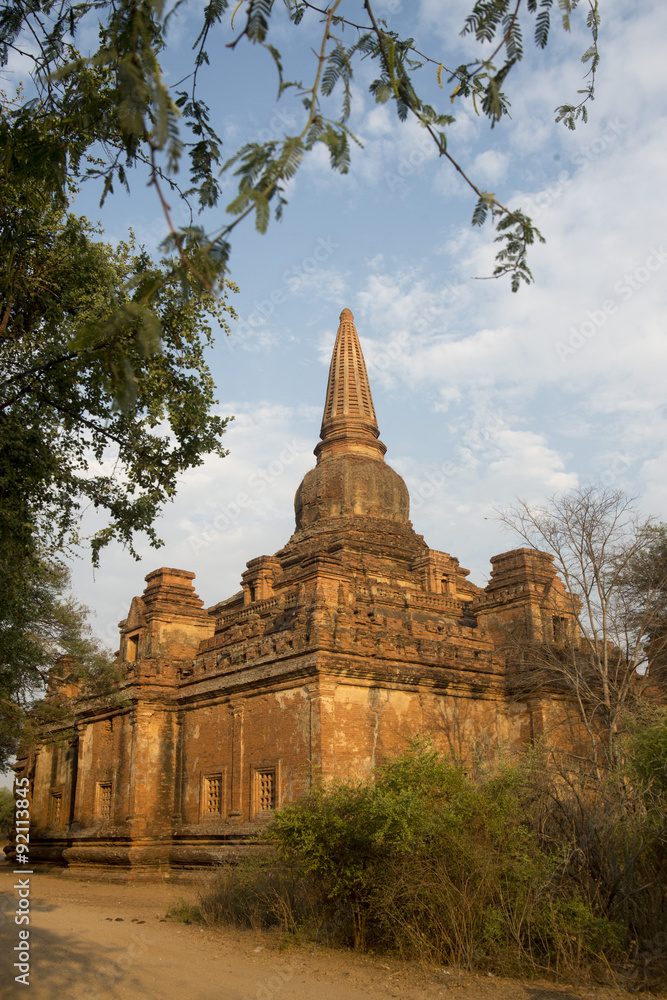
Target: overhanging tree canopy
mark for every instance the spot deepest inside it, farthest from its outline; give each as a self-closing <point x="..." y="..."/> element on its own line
<point x="105" y="394"/>
<point x="150" y="122"/>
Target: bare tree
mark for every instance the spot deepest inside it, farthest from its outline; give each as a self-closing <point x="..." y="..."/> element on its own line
<point x="598" y="649"/>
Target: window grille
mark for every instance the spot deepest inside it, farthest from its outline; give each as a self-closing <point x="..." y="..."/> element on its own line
<point x="266" y="789"/>
<point x="212" y="794"/>
<point x="104" y="800"/>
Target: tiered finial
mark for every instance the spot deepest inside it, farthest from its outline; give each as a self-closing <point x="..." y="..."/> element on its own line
<point x="351" y="478"/>
<point x="349" y="421"/>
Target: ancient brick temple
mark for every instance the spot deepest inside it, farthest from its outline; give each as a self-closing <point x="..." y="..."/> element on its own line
<point x="337" y="649"/>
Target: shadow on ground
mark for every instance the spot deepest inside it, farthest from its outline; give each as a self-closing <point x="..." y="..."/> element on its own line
<point x="63" y="966"/>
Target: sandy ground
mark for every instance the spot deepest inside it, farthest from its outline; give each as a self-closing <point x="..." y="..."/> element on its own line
<point x="90" y="939"/>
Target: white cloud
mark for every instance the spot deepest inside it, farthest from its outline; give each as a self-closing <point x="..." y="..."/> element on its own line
<point x="524" y="456"/>
<point x="490" y="166"/>
<point x="328" y="284"/>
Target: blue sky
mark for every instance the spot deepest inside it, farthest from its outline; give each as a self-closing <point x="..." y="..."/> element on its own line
<point x="481" y="395"/>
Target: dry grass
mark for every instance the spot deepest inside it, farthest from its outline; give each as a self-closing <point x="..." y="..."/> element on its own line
<point x="538" y="872"/>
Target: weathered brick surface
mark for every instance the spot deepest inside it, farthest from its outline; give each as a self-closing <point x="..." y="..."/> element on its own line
<point x="337" y="649"/>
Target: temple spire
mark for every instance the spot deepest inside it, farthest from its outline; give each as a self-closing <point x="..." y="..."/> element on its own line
<point x="349" y="423"/>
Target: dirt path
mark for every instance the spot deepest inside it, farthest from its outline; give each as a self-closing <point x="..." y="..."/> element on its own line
<point x="90" y="940"/>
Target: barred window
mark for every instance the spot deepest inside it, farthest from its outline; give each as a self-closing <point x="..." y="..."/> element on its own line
<point x="55" y="808"/>
<point x="265" y="789"/>
<point x="104" y="799"/>
<point x="212" y="795"/>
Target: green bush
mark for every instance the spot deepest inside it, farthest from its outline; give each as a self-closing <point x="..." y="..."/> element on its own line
<point x="524" y="869"/>
<point x="647" y="748"/>
<point x="427" y="862"/>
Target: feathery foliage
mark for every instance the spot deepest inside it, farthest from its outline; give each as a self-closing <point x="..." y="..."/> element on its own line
<point x="141" y="120"/>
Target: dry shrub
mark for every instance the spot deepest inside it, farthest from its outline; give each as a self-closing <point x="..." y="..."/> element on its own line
<point x="528" y="869"/>
<point x="260" y="894"/>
